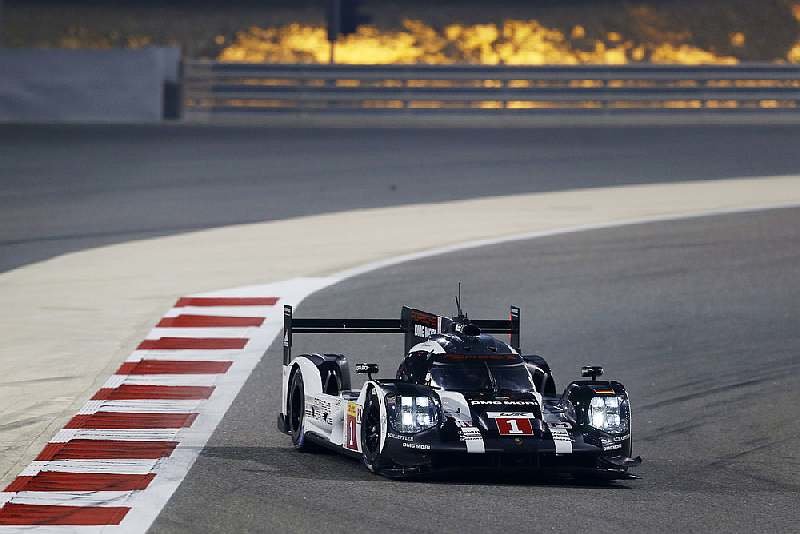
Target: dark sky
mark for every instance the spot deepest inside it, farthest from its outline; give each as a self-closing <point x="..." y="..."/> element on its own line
<point x="298" y="3"/>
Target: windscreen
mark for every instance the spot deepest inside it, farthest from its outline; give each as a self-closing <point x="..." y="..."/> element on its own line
<point x="481" y="376"/>
<point x="511" y="377"/>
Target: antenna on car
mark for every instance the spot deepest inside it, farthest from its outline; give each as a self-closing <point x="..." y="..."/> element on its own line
<point x="461" y="314"/>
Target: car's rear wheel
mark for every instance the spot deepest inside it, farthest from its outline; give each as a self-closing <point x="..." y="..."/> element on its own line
<point x="297" y="412"/>
<point x="371" y="432"/>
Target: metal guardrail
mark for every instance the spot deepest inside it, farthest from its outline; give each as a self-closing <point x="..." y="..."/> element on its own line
<point x="215" y="89"/>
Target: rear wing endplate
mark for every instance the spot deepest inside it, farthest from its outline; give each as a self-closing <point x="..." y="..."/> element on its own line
<point x="416" y="325"/>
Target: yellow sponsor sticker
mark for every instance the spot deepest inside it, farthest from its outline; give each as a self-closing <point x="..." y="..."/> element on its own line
<point x="352" y="409"/>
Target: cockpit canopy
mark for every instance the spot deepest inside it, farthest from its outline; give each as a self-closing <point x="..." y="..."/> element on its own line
<point x="465" y="344"/>
<point x="466" y="362"/>
<point x="481" y="375"/>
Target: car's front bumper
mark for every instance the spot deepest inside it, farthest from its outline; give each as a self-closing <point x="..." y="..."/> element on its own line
<point x="427" y="454"/>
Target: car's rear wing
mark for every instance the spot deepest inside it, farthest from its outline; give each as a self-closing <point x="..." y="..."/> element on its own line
<point x="416" y="325"/>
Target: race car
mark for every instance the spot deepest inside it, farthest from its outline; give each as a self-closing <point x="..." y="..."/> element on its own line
<point x="461" y="399"/>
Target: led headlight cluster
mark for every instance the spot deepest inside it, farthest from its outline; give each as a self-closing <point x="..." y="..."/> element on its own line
<point x="609" y="414"/>
<point x="410" y="415"/>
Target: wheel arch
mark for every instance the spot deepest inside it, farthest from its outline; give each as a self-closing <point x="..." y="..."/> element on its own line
<point x="541" y="374"/>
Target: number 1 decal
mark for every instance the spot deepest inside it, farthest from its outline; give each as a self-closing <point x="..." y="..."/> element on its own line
<point x="508" y="426"/>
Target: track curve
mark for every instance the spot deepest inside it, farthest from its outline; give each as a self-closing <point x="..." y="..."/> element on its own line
<point x="65" y="188"/>
<point x="700" y="318"/>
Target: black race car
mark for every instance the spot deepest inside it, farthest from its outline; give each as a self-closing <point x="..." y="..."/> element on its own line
<point x="461" y="399"/>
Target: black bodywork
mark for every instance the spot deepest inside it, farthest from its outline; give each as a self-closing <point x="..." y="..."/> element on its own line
<point x="594" y="452"/>
<point x="546" y="423"/>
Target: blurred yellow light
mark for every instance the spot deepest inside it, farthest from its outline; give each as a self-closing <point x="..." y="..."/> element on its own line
<point x="737" y="39"/>
<point x="687" y="54"/>
<point x="514" y="42"/>
<point x="578" y="32"/>
<point x="794" y="53"/>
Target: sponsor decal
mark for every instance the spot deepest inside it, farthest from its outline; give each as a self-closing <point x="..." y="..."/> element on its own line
<point x="421" y="330"/>
<point x="321" y="411"/>
<point x="473" y="439"/>
<point x="351" y="426"/>
<point x="503" y="403"/>
<point x="562" y="440"/>
<point x="399" y="437"/>
<point x="425" y="324"/>
<point x="604" y="391"/>
<point x="560" y="424"/>
<point x="612" y="447"/>
<point x="426" y="319"/>
<point x="419" y="446"/>
<point x="470" y="433"/>
<point x="495" y="415"/>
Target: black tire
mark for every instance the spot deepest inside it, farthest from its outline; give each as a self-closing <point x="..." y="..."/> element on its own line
<point x="296" y="412"/>
<point x="371" y="433"/>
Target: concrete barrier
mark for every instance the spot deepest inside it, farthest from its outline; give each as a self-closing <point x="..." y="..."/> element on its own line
<point x="86" y="85"/>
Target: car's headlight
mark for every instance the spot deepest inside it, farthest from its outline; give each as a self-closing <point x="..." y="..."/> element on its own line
<point x="410" y="415"/>
<point x="609" y="414"/>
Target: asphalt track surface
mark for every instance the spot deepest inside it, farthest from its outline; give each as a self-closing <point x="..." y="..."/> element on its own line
<point x="699" y="318"/>
<point x="68" y="188"/>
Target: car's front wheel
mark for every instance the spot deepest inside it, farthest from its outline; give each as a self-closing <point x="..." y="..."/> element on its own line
<point x="371" y="432"/>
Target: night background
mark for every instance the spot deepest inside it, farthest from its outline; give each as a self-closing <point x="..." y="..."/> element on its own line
<point x="174" y="173"/>
<point x="582" y="31"/>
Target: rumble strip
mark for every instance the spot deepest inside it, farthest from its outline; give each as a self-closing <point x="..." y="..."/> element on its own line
<point x="118" y="460"/>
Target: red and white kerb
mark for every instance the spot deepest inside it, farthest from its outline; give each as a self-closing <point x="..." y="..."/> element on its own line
<point x="91" y="471"/>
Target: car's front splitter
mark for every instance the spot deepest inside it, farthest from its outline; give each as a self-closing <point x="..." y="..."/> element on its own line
<point x="424" y="454"/>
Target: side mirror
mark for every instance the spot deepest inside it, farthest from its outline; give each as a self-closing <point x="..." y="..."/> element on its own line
<point x="591" y="371"/>
<point x="367" y="368"/>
